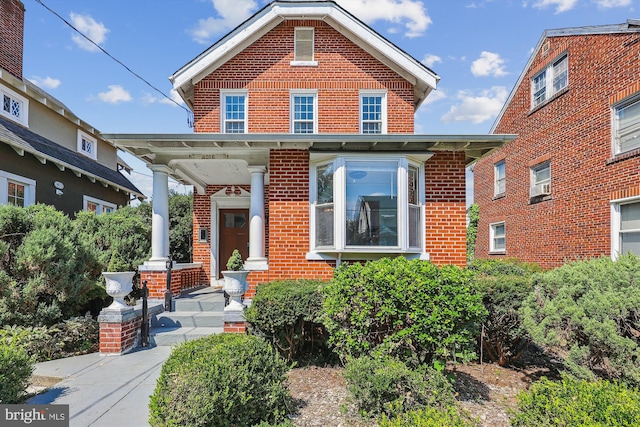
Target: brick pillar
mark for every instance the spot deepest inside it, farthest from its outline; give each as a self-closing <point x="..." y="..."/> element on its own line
<point x="120" y="328"/>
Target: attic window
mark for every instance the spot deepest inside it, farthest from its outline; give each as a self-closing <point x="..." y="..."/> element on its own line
<point x="303" y="50"/>
<point x="87" y="145"/>
<point x="13" y="106"/>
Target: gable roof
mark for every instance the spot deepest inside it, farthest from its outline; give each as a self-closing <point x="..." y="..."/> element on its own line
<point x="423" y="78"/>
<point x="631" y="26"/>
<point x="23" y="140"/>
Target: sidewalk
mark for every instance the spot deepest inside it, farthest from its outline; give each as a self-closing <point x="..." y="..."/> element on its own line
<point x="104" y="391"/>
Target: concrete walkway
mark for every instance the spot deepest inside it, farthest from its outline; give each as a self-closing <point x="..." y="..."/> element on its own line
<point x="104" y="391"/>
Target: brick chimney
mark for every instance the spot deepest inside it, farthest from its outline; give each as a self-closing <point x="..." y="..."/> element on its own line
<point x="11" y="36"/>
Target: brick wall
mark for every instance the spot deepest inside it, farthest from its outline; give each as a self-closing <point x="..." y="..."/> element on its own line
<point x="118" y="338"/>
<point x="573" y="130"/>
<point x="11" y="36"/>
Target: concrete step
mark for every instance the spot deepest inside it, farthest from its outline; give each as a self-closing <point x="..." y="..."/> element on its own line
<point x="188" y="319"/>
<point x="206" y="299"/>
<point x="177" y="335"/>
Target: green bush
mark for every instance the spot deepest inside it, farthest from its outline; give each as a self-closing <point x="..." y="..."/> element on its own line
<point x="589" y="310"/>
<point x="409" y="309"/>
<point x="505" y="284"/>
<point x="222" y="380"/>
<point x="573" y="402"/>
<point x="431" y="417"/>
<point x="473" y="213"/>
<point x="287" y="313"/>
<point x="15" y="371"/>
<point x="72" y="337"/>
<point x="384" y="385"/>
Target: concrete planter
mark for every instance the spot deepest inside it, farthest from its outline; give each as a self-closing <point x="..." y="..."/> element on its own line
<point x="235" y="285"/>
<point x="118" y="286"/>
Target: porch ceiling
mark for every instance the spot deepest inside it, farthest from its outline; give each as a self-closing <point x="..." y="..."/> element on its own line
<point x="214" y="158"/>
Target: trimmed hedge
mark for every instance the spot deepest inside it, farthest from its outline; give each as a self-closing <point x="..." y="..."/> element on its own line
<point x="223" y="380"/>
<point x="287" y="314"/>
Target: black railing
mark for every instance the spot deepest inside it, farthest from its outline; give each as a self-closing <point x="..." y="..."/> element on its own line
<point x="144" y="328"/>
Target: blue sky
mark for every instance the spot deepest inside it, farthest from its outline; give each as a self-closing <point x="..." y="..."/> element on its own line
<point x="477" y="47"/>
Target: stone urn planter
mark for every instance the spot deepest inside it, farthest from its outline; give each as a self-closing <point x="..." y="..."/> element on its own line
<point x="119" y="284"/>
<point x="235" y="281"/>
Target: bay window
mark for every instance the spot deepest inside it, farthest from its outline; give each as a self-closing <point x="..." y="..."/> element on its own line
<point x="367" y="204"/>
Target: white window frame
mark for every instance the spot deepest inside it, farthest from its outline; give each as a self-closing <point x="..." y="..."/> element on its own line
<point x="552" y="73"/>
<point x="102" y="206"/>
<point x="223" y="109"/>
<point x="499" y="180"/>
<point x="304" y="62"/>
<point x="29" y="188"/>
<point x="615" y="112"/>
<point x="493" y="237"/>
<point x="23" y="117"/>
<point x="616" y="224"/>
<point x="85" y="136"/>
<point x="340" y="205"/>
<point x="540" y="187"/>
<point x="298" y="93"/>
<point x="383" y="113"/>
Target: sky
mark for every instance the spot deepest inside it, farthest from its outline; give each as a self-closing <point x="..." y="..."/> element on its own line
<point x="477" y="47"/>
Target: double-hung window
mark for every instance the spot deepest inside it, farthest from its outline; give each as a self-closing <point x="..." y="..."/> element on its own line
<point x="367" y="204"/>
<point x="234" y="110"/>
<point x="373" y="112"/>
<point x="549" y="81"/>
<point x="87" y="145"/>
<point x="303" y="53"/>
<point x="303" y="112"/>
<point x="540" y="180"/>
<point x="625" y="228"/>
<point x="627" y="125"/>
<point x="16" y="190"/>
<point x="499" y="180"/>
<point x="97" y="206"/>
<point x="13" y="106"/>
<point x="497" y="237"/>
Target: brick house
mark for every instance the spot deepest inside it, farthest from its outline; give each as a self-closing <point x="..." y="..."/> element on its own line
<point x="47" y="153"/>
<point x="304" y="153"/>
<point x="569" y="185"/>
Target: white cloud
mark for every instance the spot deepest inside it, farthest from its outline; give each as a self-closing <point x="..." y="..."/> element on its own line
<point x="429" y="60"/>
<point x="612" y="3"/>
<point x="46" y="83"/>
<point x="115" y="94"/>
<point x="88" y="26"/>
<point x="434" y="96"/>
<point x="477" y="108"/>
<point x="410" y="13"/>
<point x="230" y="12"/>
<point x="489" y="64"/>
<point x="560" y="5"/>
<point x="175" y="97"/>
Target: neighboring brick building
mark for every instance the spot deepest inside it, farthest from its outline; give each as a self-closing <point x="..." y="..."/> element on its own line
<point x="304" y="153"/>
<point x="568" y="187"/>
<point x="48" y="154"/>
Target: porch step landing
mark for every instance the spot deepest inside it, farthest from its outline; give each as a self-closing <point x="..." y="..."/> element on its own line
<point x="196" y="314"/>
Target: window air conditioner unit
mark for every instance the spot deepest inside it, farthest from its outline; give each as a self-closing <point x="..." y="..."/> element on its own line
<point x="540" y="190"/>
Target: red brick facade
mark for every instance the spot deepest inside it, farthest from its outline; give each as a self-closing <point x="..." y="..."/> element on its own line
<point x="573" y="131"/>
<point x="11" y="36"/>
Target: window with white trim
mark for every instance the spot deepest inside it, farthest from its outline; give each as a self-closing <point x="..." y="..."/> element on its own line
<point x="499" y="178"/>
<point x="17" y="190"/>
<point x="626" y="125"/>
<point x="540" y="180"/>
<point x="97" y="206"/>
<point x="373" y="112"/>
<point x="549" y="81"/>
<point x="303" y="112"/>
<point x="625" y="227"/>
<point x="87" y="145"/>
<point x="367" y="204"/>
<point x="497" y="237"/>
<point x="303" y="53"/>
<point x="14" y="106"/>
<point x="234" y="111"/>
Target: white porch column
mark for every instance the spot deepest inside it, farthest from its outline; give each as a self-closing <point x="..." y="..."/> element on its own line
<point x="257" y="259"/>
<point x="160" y="218"/>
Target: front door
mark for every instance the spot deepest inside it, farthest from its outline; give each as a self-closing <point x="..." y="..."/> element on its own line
<point x="234" y="234"/>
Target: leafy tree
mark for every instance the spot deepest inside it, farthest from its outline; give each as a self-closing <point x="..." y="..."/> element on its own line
<point x="473" y="213"/>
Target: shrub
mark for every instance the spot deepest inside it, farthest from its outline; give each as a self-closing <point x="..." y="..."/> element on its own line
<point x="590" y="311"/>
<point x="384" y="385"/>
<point x="473" y="213"/>
<point x="287" y="313"/>
<point x="573" y="402"/>
<point x="15" y="370"/>
<point x="505" y="284"/>
<point x="410" y="309"/>
<point x="431" y="417"/>
<point x="221" y="380"/>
